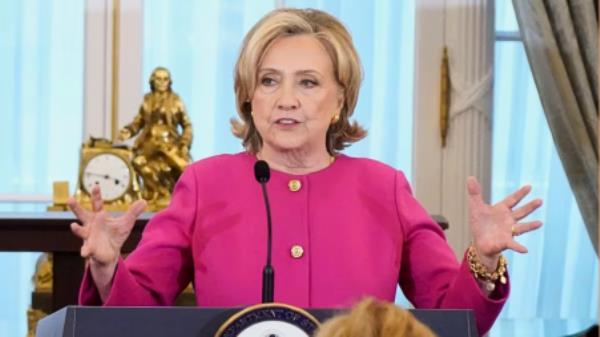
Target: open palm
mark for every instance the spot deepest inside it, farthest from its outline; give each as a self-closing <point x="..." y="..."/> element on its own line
<point x="103" y="235"/>
<point x="494" y="227"/>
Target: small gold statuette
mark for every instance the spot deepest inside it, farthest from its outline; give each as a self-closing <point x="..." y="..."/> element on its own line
<point x="110" y="167"/>
<point x="42" y="279"/>
<point x="42" y="294"/>
<point x="164" y="137"/>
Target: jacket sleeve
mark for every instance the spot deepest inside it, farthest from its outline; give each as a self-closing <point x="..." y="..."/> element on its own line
<point x="161" y="266"/>
<point x="430" y="275"/>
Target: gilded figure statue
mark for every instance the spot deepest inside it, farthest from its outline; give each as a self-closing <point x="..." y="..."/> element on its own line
<point x="42" y="284"/>
<point x="164" y="137"/>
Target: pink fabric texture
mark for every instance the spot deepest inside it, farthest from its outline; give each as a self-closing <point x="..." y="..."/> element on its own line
<point x="360" y="227"/>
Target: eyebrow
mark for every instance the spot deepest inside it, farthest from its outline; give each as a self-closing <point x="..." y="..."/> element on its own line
<point x="299" y="72"/>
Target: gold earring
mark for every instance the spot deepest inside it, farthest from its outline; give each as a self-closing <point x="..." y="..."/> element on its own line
<point x="335" y="118"/>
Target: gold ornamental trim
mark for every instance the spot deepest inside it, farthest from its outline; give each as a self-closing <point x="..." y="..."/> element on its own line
<point x="444" y="97"/>
<point x="115" y="70"/>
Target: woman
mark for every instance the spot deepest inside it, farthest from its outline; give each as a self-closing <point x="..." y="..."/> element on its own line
<point x="344" y="227"/>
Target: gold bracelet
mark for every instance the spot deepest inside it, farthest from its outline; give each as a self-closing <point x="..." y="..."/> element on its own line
<point x="482" y="273"/>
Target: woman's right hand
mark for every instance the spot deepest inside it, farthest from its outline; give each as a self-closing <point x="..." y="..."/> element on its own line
<point x="103" y="235"/>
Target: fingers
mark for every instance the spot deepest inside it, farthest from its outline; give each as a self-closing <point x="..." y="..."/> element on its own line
<point x="80" y="231"/>
<point x="474" y="189"/>
<point x="517" y="247"/>
<point x="97" y="202"/>
<point x="85" y="250"/>
<point x="517" y="196"/>
<point x="473" y="186"/>
<point x="524" y="211"/>
<point x="526" y="227"/>
<point x="134" y="211"/>
<point x="79" y="211"/>
<point x="520" y="229"/>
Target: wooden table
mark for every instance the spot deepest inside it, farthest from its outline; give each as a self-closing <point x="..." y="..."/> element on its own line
<point x="50" y="232"/>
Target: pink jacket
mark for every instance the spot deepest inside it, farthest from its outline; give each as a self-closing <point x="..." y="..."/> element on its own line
<point x="357" y="222"/>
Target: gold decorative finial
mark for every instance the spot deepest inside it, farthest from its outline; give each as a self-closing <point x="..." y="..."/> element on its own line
<point x="114" y="102"/>
<point x="444" y="97"/>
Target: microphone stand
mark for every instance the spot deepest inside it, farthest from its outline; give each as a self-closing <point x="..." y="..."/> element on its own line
<point x="262" y="174"/>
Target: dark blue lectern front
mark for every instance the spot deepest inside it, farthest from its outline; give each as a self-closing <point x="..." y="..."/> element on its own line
<point x="77" y="321"/>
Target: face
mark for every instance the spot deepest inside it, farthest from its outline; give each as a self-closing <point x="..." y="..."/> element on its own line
<point x="161" y="80"/>
<point x="296" y="95"/>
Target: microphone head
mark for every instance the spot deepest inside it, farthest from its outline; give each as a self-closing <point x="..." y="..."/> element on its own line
<point x="262" y="173"/>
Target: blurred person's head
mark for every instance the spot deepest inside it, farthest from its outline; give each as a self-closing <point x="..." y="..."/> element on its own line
<point x="372" y="318"/>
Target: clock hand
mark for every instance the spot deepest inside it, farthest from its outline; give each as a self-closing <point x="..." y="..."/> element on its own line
<point x="105" y="176"/>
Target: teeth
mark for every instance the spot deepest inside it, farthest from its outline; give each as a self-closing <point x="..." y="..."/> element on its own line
<point x="286" y="121"/>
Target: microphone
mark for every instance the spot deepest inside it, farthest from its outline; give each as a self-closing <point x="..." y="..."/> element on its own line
<point x="262" y="173"/>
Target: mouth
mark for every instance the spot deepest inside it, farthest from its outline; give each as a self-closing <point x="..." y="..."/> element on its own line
<point x="286" y="121"/>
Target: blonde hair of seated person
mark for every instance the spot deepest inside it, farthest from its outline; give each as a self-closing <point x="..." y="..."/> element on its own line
<point x="372" y="318"/>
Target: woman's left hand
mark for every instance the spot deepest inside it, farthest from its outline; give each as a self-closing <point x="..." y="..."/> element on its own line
<point x="494" y="227"/>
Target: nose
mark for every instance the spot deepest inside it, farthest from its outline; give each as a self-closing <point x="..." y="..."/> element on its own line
<point x="288" y="100"/>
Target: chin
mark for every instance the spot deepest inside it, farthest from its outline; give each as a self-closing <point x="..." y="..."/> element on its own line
<point x="286" y="142"/>
<point x="288" y="145"/>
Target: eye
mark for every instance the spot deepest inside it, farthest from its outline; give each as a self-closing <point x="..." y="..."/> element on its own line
<point x="308" y="83"/>
<point x="267" y="81"/>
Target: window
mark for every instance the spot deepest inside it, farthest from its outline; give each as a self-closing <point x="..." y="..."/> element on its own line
<point x="40" y="125"/>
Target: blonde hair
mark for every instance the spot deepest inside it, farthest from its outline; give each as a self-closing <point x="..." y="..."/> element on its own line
<point x="338" y="44"/>
<point x="372" y="318"/>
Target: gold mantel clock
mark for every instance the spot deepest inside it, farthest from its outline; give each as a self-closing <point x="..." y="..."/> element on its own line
<point x="109" y="167"/>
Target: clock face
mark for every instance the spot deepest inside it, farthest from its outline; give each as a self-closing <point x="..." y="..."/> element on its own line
<point x="108" y="171"/>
